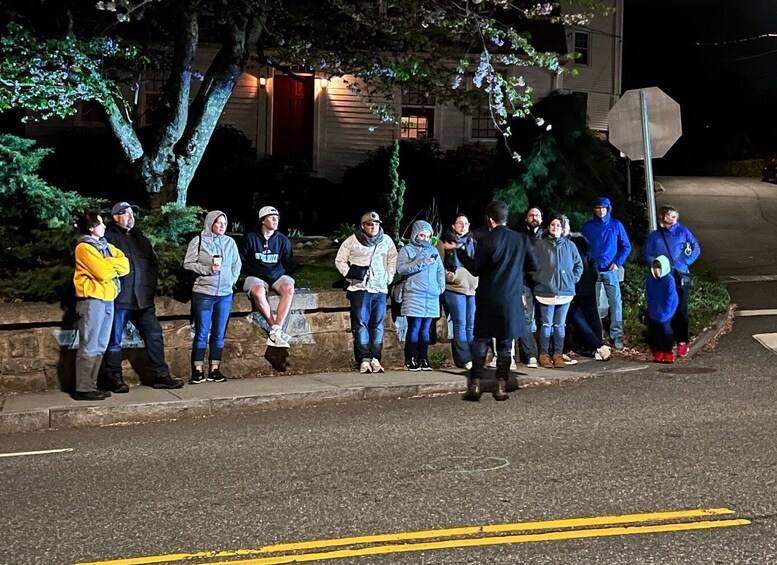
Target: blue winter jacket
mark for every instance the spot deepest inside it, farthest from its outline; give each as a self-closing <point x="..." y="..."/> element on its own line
<point x="676" y="242"/>
<point x="560" y="267"/>
<point x="425" y="281"/>
<point x="661" y="292"/>
<point x="607" y="237"/>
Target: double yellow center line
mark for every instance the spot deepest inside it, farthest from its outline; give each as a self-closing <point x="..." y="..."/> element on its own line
<point x="471" y="536"/>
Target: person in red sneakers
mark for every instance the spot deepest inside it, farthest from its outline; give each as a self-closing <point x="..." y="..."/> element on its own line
<point x="662" y="301"/>
<point x="678" y="244"/>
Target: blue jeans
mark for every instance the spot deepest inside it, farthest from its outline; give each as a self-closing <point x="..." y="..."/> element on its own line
<point x="211" y="315"/>
<point x="94" y="330"/>
<point x="417" y="339"/>
<point x="612" y="288"/>
<point x="554" y="319"/>
<point x="368" y="314"/>
<point x="461" y="308"/>
<point x="148" y="326"/>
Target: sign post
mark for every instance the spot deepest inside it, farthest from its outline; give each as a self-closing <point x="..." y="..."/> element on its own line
<point x="643" y="125"/>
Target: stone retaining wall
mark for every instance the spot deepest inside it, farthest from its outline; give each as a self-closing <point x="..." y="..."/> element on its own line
<point x="37" y="342"/>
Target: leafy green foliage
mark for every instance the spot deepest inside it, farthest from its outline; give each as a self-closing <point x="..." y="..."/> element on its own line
<point x="172" y="223"/>
<point x="395" y="195"/>
<point x="27" y="201"/>
<point x="48" y="76"/>
<point x="344" y="231"/>
<point x="567" y="165"/>
<point x="437" y="359"/>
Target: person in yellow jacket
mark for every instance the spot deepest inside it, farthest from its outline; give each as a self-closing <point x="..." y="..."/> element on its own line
<point x="98" y="268"/>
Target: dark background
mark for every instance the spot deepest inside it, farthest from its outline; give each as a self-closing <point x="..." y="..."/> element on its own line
<point x="715" y="59"/>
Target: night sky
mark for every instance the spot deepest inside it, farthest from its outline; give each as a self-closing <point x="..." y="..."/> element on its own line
<point x="710" y="57"/>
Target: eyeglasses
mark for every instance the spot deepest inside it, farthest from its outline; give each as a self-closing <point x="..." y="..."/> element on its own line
<point x="461" y="224"/>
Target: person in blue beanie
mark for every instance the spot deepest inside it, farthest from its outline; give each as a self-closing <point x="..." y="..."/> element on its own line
<point x="610" y="247"/>
<point x="662" y="300"/>
<point x="677" y="243"/>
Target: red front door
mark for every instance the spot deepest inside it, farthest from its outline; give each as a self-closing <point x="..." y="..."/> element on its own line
<point x="292" y="123"/>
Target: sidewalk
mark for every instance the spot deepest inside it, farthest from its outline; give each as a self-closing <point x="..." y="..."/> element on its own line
<point x="56" y="410"/>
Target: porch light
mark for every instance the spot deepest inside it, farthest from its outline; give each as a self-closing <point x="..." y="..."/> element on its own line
<point x="262" y="82"/>
<point x="324" y="83"/>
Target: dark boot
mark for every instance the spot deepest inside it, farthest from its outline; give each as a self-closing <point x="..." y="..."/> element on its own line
<point x="115" y="383"/>
<point x="500" y="393"/>
<point x="473" y="390"/>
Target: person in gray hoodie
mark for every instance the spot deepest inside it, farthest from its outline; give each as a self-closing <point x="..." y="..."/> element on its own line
<point x="554" y="288"/>
<point x="214" y="257"/>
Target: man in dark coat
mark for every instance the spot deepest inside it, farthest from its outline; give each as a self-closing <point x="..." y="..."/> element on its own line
<point x="135" y="301"/>
<point x="501" y="258"/>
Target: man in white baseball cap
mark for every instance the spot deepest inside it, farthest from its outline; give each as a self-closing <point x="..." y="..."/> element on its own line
<point x="268" y="263"/>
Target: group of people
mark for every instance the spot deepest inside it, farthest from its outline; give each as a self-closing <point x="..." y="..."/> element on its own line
<point x="115" y="283"/>
<point x="498" y="286"/>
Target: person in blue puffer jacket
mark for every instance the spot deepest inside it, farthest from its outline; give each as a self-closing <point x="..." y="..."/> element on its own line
<point x="662" y="300"/>
<point x="420" y="263"/>
<point x="610" y="247"/>
<point x="678" y="244"/>
<point x="215" y="258"/>
<point x="554" y="288"/>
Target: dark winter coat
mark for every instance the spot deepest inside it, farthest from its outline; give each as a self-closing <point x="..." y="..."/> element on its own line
<point x="267" y="259"/>
<point x="501" y="258"/>
<point x="585" y="289"/>
<point x="138" y="287"/>
<point x="560" y="267"/>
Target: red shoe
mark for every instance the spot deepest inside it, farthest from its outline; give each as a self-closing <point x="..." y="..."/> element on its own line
<point x="668" y="357"/>
<point x="682" y="349"/>
<point x="658" y="357"/>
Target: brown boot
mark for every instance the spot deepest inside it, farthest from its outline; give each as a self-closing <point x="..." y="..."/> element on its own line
<point x="501" y="393"/>
<point x="473" y="390"/>
<point x="558" y="361"/>
<point x="545" y="361"/>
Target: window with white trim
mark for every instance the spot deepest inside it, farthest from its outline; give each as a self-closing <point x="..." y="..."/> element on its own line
<point x="582" y="47"/>
<point x="417" y="120"/>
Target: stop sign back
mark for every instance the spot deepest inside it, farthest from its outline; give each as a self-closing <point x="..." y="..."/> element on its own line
<point x="625" y="123"/>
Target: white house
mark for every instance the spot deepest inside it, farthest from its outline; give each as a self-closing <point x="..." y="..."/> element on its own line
<point x="322" y="123"/>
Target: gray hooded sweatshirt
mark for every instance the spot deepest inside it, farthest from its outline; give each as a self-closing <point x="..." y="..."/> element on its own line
<point x="209" y="244"/>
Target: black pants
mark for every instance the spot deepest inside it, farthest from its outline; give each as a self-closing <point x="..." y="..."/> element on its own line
<point x="680" y="319"/>
<point x="660" y="335"/>
<point x="503" y="357"/>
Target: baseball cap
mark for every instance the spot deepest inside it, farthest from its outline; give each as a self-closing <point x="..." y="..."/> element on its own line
<point x="371" y="217"/>
<point x="268" y="211"/>
<point x="119" y="208"/>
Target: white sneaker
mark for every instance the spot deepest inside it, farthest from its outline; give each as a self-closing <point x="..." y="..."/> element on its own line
<point x="376" y="367"/>
<point x="532" y="364"/>
<point x="275" y="339"/>
<point x="603" y="353"/>
<point x="468" y="366"/>
<point x="284" y="336"/>
<point x="492" y="363"/>
<point x="568" y="360"/>
<point x="365" y="367"/>
<point x="513" y="366"/>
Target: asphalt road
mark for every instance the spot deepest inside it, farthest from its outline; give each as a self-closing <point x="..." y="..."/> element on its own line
<point x="701" y="436"/>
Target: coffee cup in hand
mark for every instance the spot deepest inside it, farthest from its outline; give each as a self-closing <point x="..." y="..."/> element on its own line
<point x="217" y="260"/>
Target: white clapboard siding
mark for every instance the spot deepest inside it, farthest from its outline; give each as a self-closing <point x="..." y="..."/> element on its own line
<point x="345" y="137"/>
<point x="242" y="109"/>
<point x="601" y="78"/>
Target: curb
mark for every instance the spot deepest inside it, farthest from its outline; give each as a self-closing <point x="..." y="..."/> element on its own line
<point x="91" y="415"/>
<point x="64" y="417"/>
<point x="713" y="332"/>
